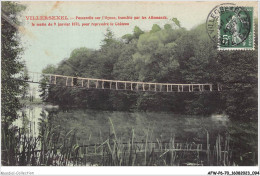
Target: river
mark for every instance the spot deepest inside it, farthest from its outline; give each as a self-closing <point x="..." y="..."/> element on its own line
<point x="94" y="126"/>
<point x="87" y="129"/>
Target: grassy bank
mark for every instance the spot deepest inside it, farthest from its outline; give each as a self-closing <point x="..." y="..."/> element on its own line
<point x="53" y="148"/>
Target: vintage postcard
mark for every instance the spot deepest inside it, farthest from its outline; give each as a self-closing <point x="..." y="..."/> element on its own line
<point x="133" y="83"/>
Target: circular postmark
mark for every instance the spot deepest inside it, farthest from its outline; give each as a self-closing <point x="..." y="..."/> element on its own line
<point x="212" y="22"/>
<point x="235" y="26"/>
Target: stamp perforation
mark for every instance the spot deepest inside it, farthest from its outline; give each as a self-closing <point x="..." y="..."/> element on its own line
<point x="234" y="48"/>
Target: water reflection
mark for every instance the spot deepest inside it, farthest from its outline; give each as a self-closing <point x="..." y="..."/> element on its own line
<point x="74" y="136"/>
<point x="92" y="126"/>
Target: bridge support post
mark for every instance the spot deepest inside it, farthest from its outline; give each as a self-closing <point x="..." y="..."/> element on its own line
<point x="96" y="84"/>
<point x="155" y="88"/>
<point x="102" y="84"/>
<point x="116" y="86"/>
<point x="88" y="83"/>
<point x="178" y="88"/>
<point x="210" y="87"/>
<point x="131" y="86"/>
<point x="125" y="85"/>
<point x="167" y="87"/>
<point x="219" y="87"/>
<point x="66" y="81"/>
<point x="82" y="83"/>
<point x="143" y="87"/>
<point x="189" y="88"/>
<point x="137" y="86"/>
<point x="110" y="85"/>
<point x="182" y="88"/>
<point x="160" y="87"/>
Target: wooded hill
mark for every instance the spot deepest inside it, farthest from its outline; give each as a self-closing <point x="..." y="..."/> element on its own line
<point x="170" y="54"/>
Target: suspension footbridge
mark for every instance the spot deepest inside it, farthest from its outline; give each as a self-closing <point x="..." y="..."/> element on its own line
<point x="93" y="83"/>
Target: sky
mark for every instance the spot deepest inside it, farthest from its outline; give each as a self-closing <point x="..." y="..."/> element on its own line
<point x="49" y="45"/>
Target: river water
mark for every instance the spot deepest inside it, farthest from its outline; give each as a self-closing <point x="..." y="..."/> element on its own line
<point x="54" y="127"/>
<point x="92" y="126"/>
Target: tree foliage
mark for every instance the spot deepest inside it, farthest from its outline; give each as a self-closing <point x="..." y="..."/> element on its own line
<point x="10" y="62"/>
<point x="11" y="88"/>
<point x="167" y="55"/>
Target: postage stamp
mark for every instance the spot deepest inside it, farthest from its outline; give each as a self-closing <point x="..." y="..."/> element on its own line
<point x="236" y="28"/>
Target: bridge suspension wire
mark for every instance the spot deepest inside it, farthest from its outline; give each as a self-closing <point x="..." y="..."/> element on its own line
<point x="93" y="83"/>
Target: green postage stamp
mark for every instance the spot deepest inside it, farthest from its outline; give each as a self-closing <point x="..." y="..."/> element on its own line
<point x="236" y="28"/>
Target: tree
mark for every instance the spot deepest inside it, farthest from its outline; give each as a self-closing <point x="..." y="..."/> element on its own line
<point x="238" y="70"/>
<point x="109" y="37"/>
<point x="127" y="38"/>
<point x="240" y="81"/>
<point x="10" y="61"/>
<point x="137" y="32"/>
<point x="176" y="22"/>
<point x="167" y="26"/>
<point x="50" y="69"/>
<point x="155" y="28"/>
<point x="11" y="88"/>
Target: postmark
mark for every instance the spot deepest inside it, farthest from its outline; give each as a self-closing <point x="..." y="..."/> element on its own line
<point x="212" y="22"/>
<point x="236" y="29"/>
